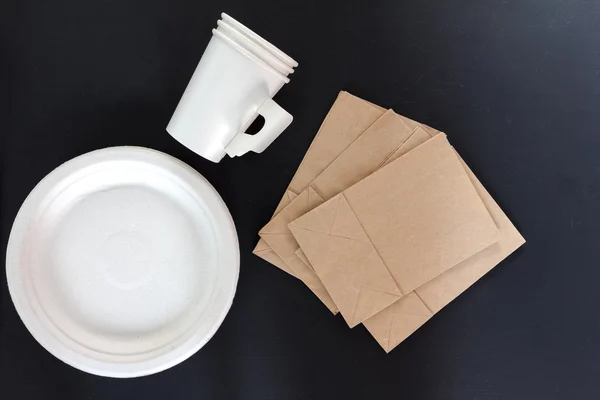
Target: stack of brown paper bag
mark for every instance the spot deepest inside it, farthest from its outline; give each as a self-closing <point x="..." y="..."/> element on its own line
<point x="384" y="222"/>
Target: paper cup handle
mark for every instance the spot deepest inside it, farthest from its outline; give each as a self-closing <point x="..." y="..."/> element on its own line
<point x="276" y="120"/>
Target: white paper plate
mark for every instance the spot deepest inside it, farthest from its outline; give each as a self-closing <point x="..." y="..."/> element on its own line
<point x="123" y="262"/>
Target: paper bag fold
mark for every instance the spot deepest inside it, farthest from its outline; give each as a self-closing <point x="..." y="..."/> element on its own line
<point x="350" y="269"/>
<point x="277" y="235"/>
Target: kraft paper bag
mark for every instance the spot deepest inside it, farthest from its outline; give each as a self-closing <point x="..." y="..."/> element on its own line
<point x="391" y="326"/>
<point x="415" y="218"/>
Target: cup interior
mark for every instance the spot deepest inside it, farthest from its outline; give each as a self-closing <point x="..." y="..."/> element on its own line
<point x="254" y="48"/>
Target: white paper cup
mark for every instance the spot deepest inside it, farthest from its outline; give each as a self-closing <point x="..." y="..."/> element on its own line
<point x="229" y="88"/>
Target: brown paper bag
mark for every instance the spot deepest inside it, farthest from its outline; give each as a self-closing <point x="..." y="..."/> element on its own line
<point x="414" y="219"/>
<point x="391" y="326"/>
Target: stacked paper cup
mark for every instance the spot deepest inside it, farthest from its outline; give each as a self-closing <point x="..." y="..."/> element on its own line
<point x="234" y="82"/>
<point x="230" y="29"/>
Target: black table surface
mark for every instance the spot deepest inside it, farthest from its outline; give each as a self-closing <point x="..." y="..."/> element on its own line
<point x="514" y="83"/>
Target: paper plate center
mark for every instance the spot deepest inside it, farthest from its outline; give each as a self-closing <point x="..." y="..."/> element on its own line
<point x="128" y="259"/>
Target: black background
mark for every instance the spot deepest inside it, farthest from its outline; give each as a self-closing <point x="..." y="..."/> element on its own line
<point x="515" y="84"/>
